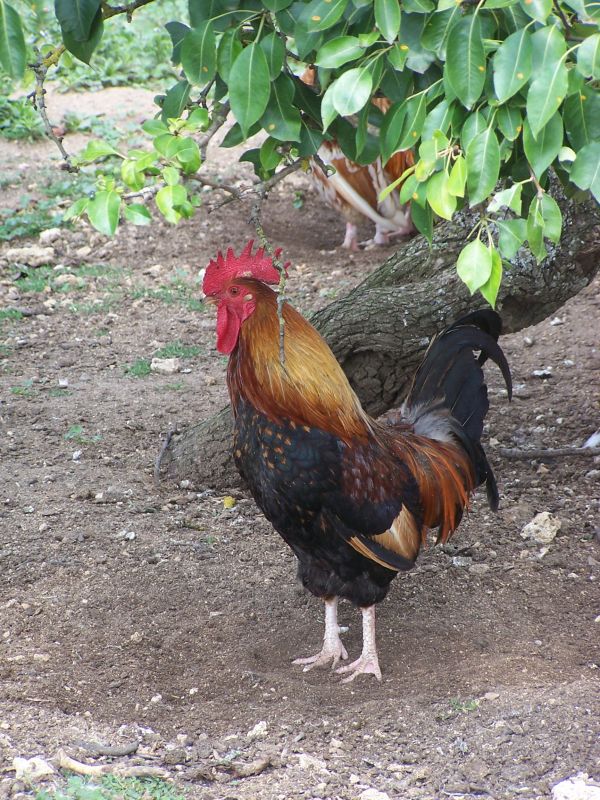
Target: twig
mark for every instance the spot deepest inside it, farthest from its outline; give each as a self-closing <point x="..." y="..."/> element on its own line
<point x="552" y="452"/>
<point x="562" y="16"/>
<point x="109" y="11"/>
<point x="161" y="455"/>
<point x="97" y="770"/>
<point x="220" y="112"/>
<point x="40" y="70"/>
<point x="98" y="749"/>
<point x="226" y="187"/>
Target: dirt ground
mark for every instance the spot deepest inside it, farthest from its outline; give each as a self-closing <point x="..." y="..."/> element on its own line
<point x="130" y="611"/>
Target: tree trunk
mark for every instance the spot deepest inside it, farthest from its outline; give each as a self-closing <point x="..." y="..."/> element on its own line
<point x="380" y="330"/>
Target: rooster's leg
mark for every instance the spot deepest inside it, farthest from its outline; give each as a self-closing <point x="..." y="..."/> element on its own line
<point x="368" y="662"/>
<point x="333" y="649"/>
<point x="351" y="239"/>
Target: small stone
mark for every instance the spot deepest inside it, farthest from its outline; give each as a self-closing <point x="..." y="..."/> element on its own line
<point x="545" y="372"/>
<point x="136" y="637"/>
<point x="32" y="256"/>
<point x="528" y="341"/>
<point x="556" y="321"/>
<point x="311" y="763"/>
<point x="165" y="366"/>
<point x="594" y="440"/>
<point x="259" y="731"/>
<point x="373" y="794"/>
<point x="579" y="787"/>
<point x="491" y="696"/>
<point x="28" y="510"/>
<point x="156" y="698"/>
<point x="77" y="455"/>
<point x="542" y="528"/>
<point x="593" y="474"/>
<point x="31" y="768"/>
<point x="568" y="362"/>
<point x="461" y="561"/>
<point x="66" y="279"/>
<point x="83" y="252"/>
<point x="154" y="271"/>
<point x="41" y="657"/>
<point x="49" y="235"/>
<point x="479" y="569"/>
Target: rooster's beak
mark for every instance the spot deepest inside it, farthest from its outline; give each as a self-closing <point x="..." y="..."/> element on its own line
<point x="209" y="300"/>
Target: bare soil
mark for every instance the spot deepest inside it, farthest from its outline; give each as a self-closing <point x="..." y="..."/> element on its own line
<point x="131" y="611"/>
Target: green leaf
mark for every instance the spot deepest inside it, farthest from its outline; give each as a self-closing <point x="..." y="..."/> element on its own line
<point x="588" y="57"/>
<point x="84" y="50"/>
<point x="535" y="231"/>
<point x="585" y="172"/>
<point x="417" y="6"/>
<point x="229" y="49"/>
<point x="413" y="121"/>
<point x="13" y="54"/>
<point x="338" y="51"/>
<point x="177" y="32"/>
<point x="188" y="155"/>
<point x="199" y="54"/>
<point x="465" y="60"/>
<point x="439" y="197"/>
<point x="131" y="175"/>
<point x="171" y="176"/>
<point x="269" y="157"/>
<point x="169" y="199"/>
<point x="137" y="214"/>
<point x="310" y="140"/>
<point x="103" y="211"/>
<point x="437" y="28"/>
<point x="581" y="116"/>
<point x="249" y="86"/>
<point x="474" y="265"/>
<point x="490" y="288"/>
<point x="510" y="122"/>
<point x="328" y="112"/>
<point x="319" y="15"/>
<point x="277" y="5"/>
<point x="351" y="91"/>
<point x="198" y="119"/>
<point x="512" y="64"/>
<point x="539" y="10"/>
<point x="542" y="151"/>
<point x="483" y="166"/>
<point x="281" y="119"/>
<point x="472" y="126"/>
<point x="548" y="48"/>
<point x="438" y="119"/>
<point x="458" y="177"/>
<point x="398" y="55"/>
<point x="507" y="198"/>
<point x="154" y="127"/>
<point x="512" y="234"/>
<point x="387" y="18"/>
<point x="422" y="219"/>
<point x="552" y="218"/>
<point x="76" y="209"/>
<point x="175" y="100"/>
<point x="96" y="148"/>
<point x="545" y="95"/>
<point x="76" y="17"/>
<point x="274" y="50"/>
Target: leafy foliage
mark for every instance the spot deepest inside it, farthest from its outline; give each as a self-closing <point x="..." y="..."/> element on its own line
<point x="491" y="95"/>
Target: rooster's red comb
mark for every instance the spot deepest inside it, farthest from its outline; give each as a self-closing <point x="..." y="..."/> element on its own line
<point x="222" y="269"/>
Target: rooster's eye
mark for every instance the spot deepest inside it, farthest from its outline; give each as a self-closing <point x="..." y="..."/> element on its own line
<point x="234" y="290"/>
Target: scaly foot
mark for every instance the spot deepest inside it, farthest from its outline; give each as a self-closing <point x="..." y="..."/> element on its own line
<point x="365" y="665"/>
<point x="333" y="649"/>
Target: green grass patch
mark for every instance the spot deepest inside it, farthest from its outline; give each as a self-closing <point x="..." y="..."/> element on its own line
<point x="77" y="434"/>
<point x="19" y="119"/>
<point x="178" y="350"/>
<point x="24" y="389"/>
<point x="178" y="386"/>
<point x="178" y="293"/>
<point x="139" y="368"/>
<point x="29" y="219"/>
<point x="113" y="788"/>
<point x="10" y="314"/>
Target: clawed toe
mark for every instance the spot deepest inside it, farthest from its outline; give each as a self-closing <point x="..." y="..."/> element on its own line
<point x="362" y="666"/>
<point x="323" y="658"/>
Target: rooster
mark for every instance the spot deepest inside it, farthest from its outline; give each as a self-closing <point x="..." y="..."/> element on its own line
<point x="353" y="189"/>
<point x="353" y="497"/>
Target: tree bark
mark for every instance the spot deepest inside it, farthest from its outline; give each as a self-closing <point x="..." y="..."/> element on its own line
<point x="379" y="331"/>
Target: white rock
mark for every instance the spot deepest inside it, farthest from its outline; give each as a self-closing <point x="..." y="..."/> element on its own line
<point x="311" y="763"/>
<point x="259" y="731"/>
<point x="542" y="528"/>
<point x="165" y="366"/>
<point x="50" y="235"/>
<point x="373" y="794"/>
<point x="33" y="256"/>
<point x="84" y="251"/>
<point x="579" y="787"/>
<point x="546" y="372"/>
<point x="31" y="768"/>
<point x="66" y="279"/>
<point x="557" y="321"/>
<point x="594" y="440"/>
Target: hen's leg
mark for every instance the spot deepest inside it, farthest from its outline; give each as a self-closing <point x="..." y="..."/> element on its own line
<point x="368" y="661"/>
<point x="333" y="649"/>
<point x="351" y="239"/>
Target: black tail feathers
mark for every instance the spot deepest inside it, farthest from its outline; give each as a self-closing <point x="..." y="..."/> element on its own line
<point x="451" y="378"/>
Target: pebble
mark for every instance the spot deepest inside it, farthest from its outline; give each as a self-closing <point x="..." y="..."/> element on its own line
<point x="593" y="474"/>
<point x="528" y="341"/>
<point x="542" y="528"/>
<point x="165" y="366"/>
<point x="579" y="787"/>
<point x="479" y="569"/>
<point x="49" y="235"/>
<point x="32" y="256"/>
<point x="31" y="768"/>
<point x="66" y="279"/>
<point x="556" y="321"/>
<point x="373" y="794"/>
<point x="259" y="731"/>
<point x="545" y="372"/>
<point x="77" y="455"/>
<point x="461" y="561"/>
